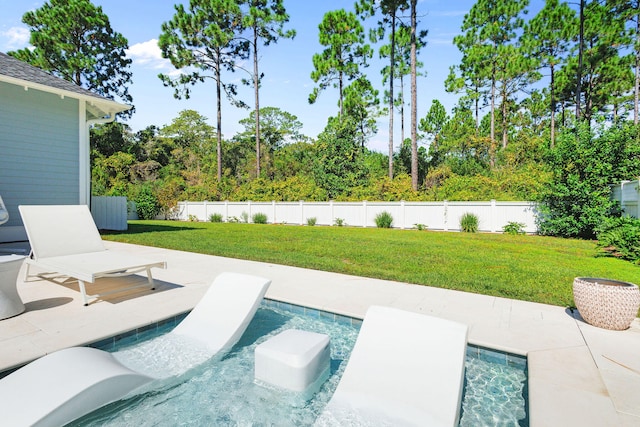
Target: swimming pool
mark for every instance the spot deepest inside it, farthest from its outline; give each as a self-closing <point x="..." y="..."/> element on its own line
<point x="222" y="392"/>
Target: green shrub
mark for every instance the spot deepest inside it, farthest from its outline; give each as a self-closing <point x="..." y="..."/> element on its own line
<point x="420" y="227"/>
<point x="384" y="220"/>
<point x="584" y="162"/>
<point x="339" y="222"/>
<point x="311" y="221"/>
<point x="469" y="223"/>
<point x="193" y="218"/>
<point x="244" y="217"/>
<point x="620" y="237"/>
<point x="259" y="218"/>
<point x="216" y="217"/>
<point x="513" y="228"/>
<point x="147" y="206"/>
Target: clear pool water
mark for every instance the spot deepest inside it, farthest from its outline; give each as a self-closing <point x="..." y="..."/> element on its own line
<point x="222" y="391"/>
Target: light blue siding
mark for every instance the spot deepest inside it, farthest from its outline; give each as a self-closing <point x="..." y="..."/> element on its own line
<point x="39" y="153"/>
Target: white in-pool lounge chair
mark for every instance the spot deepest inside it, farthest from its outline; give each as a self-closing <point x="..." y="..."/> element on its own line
<point x="65" y="240"/>
<point x="406" y="369"/>
<point x="63" y="386"/>
<point x="212" y="327"/>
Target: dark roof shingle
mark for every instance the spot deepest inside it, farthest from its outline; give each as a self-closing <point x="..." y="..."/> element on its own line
<point x="15" y="68"/>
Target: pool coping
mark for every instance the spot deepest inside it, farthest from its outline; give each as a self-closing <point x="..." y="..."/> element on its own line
<point x="140" y="334"/>
<point x="578" y="374"/>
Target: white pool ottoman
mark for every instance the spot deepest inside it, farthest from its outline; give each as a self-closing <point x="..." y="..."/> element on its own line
<point x="293" y="359"/>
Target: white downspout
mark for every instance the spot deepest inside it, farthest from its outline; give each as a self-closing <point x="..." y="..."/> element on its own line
<point x="85" y="150"/>
<point x="84" y="169"/>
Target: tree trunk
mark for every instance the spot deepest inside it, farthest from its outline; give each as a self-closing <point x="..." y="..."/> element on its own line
<point x="219" y="116"/>
<point x="580" y="53"/>
<point x="401" y="110"/>
<point x="588" y="98"/>
<point x="340" y="86"/>
<point x="256" y="88"/>
<point x="414" y="100"/>
<point x="391" y="76"/>
<point x="504" y="116"/>
<point x="553" y="109"/>
<point x="477" y="102"/>
<point x="493" y="98"/>
<point x="493" y="109"/>
<point x="637" y="84"/>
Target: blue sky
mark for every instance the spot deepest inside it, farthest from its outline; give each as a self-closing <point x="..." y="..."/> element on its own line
<point x="287" y="65"/>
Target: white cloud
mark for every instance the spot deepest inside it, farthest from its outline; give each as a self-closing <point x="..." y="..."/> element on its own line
<point x="17" y="37"/>
<point x="148" y="54"/>
<point x="440" y="41"/>
<point x="447" y="13"/>
<point x="175" y="73"/>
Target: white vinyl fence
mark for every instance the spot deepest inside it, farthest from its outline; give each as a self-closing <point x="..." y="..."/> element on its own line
<point x="627" y="194"/>
<point x="445" y="215"/>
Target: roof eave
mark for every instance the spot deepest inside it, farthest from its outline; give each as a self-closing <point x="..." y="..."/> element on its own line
<point x="104" y="105"/>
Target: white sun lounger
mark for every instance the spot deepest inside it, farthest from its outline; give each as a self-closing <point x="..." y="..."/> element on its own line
<point x="213" y="326"/>
<point x="406" y="369"/>
<point x="65" y="240"/>
<point x="223" y="314"/>
<point x="63" y="386"/>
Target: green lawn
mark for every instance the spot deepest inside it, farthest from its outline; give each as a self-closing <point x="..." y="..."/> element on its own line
<point x="532" y="268"/>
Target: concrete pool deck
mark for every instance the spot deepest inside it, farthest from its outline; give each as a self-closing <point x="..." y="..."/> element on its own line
<point x="579" y="375"/>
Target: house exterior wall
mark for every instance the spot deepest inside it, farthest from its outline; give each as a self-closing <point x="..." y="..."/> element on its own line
<point x="627" y="193"/>
<point x="39" y="149"/>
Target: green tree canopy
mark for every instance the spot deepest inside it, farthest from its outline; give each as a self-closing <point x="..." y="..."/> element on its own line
<point x="110" y="138"/>
<point x="548" y="37"/>
<point x="205" y="39"/>
<point x="489" y="26"/>
<point x="390" y="10"/>
<point x="265" y="19"/>
<point x="361" y="102"/>
<point x="73" y="39"/>
<point x="190" y="129"/>
<point x="339" y="164"/>
<point x="584" y="163"/>
<point x="434" y="121"/>
<point x="341" y="32"/>
<point x="278" y="127"/>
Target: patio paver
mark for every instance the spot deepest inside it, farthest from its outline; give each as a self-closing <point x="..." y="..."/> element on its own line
<point x="578" y="374"/>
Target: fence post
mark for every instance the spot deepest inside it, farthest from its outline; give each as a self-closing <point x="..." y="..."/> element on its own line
<point x="332" y="217"/>
<point x="402" y="214"/>
<point x="249" y="208"/>
<point x="301" y="212"/>
<point x="226" y="210"/>
<point x="273" y="206"/>
<point x="445" y="205"/>
<point x="205" y="211"/>
<point x="493" y="215"/>
<point x="364" y="207"/>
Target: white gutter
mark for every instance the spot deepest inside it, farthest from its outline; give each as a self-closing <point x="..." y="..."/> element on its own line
<point x="106" y="105"/>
